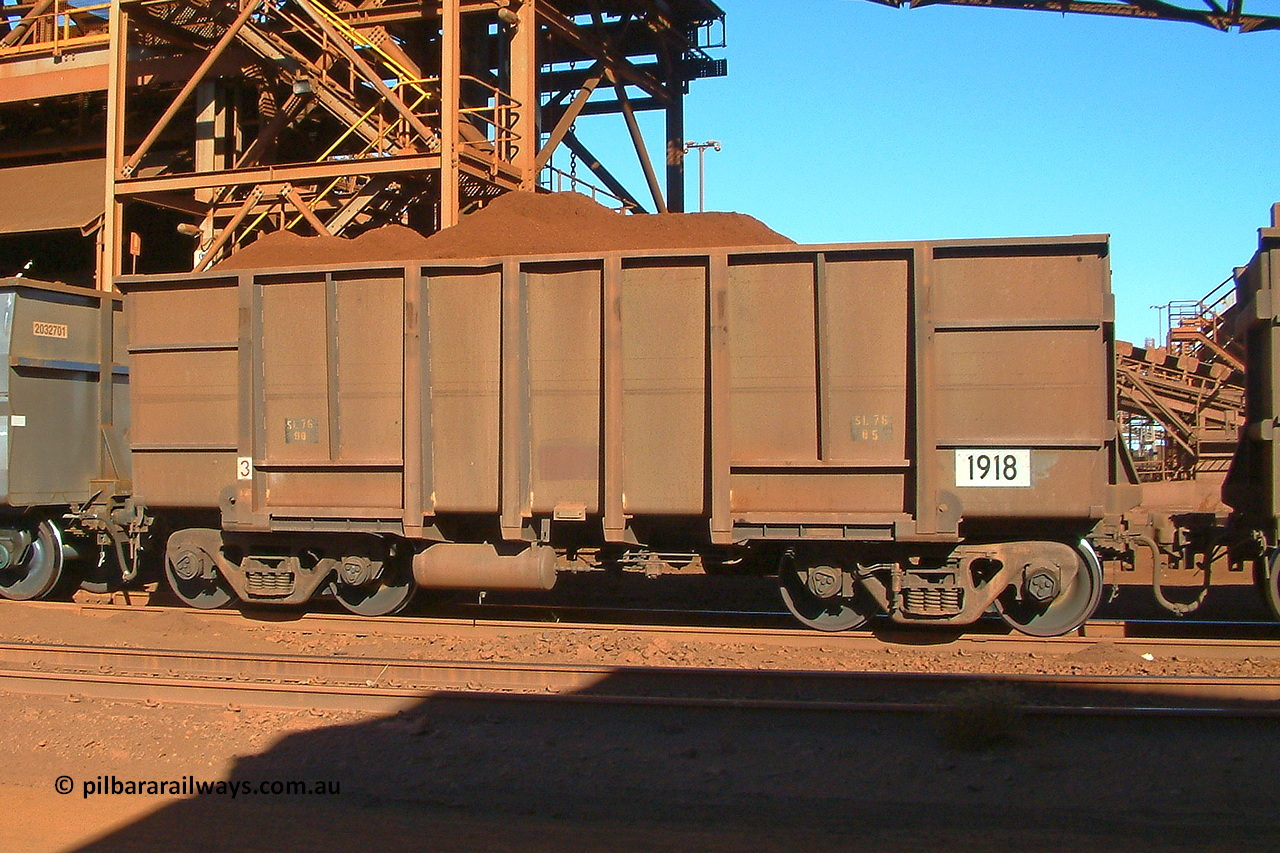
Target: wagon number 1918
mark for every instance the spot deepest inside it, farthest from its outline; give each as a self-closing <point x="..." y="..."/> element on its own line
<point x="993" y="468"/>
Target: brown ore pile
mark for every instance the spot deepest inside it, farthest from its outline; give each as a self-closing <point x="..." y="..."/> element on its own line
<point x="518" y="223"/>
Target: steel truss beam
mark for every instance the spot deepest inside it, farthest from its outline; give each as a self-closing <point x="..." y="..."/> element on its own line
<point x="1209" y="13"/>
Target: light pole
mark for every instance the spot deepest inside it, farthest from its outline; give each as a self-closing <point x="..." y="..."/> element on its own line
<point x="702" y="168"/>
<point x="1163" y="328"/>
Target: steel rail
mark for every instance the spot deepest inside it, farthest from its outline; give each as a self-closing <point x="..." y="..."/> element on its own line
<point x="386" y="685"/>
<point x="881" y="638"/>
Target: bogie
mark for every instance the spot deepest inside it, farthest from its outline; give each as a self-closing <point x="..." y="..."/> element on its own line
<point x="1040" y="588"/>
<point x="368" y="576"/>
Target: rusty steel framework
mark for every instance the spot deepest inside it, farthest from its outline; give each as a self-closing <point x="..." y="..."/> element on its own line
<point x="1180" y="415"/>
<point x="222" y="121"/>
<point x="1182" y="403"/>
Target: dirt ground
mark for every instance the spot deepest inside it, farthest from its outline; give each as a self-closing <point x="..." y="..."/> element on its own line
<point x="484" y="774"/>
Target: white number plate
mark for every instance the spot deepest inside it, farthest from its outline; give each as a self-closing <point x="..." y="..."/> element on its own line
<point x="990" y="468"/>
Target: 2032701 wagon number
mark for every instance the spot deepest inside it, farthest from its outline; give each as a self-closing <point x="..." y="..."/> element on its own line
<point x="993" y="468"/>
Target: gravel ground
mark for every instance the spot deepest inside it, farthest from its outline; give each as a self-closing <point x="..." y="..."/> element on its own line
<point x="606" y="646"/>
<point x="483" y="774"/>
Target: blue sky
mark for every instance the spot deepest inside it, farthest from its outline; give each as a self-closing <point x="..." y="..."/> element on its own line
<point x="844" y="120"/>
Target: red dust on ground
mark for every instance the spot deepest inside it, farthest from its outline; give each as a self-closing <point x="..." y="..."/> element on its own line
<point x="489" y="773"/>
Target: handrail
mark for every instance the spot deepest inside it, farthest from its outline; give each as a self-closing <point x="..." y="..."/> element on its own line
<point x="48" y="25"/>
<point x="555" y="179"/>
<point x="333" y="184"/>
<point x="357" y="38"/>
<point x="1195" y="325"/>
<point x="497" y="114"/>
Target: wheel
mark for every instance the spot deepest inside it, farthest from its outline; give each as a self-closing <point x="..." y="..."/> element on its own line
<point x="194" y="580"/>
<point x="831" y="613"/>
<point x="1074" y="602"/>
<point x="1270" y="584"/>
<point x="389" y="594"/>
<point x="36" y="571"/>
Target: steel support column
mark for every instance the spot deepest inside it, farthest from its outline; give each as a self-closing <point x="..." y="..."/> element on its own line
<point x="109" y="243"/>
<point x="524" y="91"/>
<point x="642" y="151"/>
<point x="450" y="97"/>
<point x="675" y="154"/>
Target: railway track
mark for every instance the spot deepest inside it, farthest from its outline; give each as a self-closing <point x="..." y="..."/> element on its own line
<point x="1166" y="639"/>
<point x="387" y="685"/>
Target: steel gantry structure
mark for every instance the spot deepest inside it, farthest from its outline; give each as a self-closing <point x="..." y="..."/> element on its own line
<point x="1209" y="13"/>
<point x="185" y="129"/>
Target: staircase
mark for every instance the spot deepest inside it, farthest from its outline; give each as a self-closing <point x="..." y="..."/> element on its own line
<point x="1194" y="407"/>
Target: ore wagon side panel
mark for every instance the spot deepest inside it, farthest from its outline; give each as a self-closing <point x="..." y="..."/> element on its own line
<point x="786" y="392"/>
<point x="772" y="358"/>
<point x="818" y="388"/>
<point x="184" y="345"/>
<point x="662" y="314"/>
<point x="861" y="380"/>
<point x="863" y="322"/>
<point x="331" y="389"/>
<point x="562" y="309"/>
<point x="60" y="429"/>
<point x="1020" y="352"/>
<point x="462" y="379"/>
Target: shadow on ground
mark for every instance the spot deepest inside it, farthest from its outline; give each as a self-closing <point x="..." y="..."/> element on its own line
<point x="494" y="774"/>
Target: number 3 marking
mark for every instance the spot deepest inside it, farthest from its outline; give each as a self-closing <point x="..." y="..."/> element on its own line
<point x="244" y="468"/>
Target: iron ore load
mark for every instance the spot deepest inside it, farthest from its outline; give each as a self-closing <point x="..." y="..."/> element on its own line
<point x="923" y="429"/>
